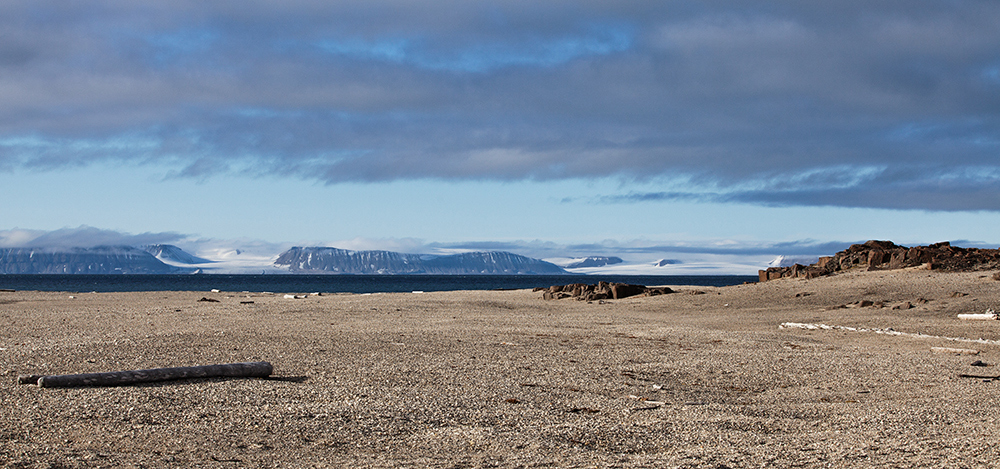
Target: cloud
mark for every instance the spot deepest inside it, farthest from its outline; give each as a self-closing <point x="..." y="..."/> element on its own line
<point x="724" y="247"/>
<point x="643" y="250"/>
<point x="17" y="237"/>
<point x="914" y="188"/>
<point x="729" y="96"/>
<point x="82" y="236"/>
<point x="405" y="245"/>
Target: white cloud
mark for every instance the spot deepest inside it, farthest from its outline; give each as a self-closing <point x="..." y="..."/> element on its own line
<point x="17" y="237"/>
<point x="404" y="245"/>
<point x="82" y="236"/>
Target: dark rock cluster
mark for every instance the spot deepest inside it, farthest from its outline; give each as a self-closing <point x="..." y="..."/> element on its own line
<point x="886" y="255"/>
<point x="600" y="291"/>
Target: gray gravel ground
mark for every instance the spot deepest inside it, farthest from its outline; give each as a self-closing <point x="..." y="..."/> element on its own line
<point x="702" y="378"/>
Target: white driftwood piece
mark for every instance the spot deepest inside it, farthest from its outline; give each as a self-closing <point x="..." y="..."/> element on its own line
<point x="890" y="332"/>
<point x="978" y="316"/>
<point x="956" y="351"/>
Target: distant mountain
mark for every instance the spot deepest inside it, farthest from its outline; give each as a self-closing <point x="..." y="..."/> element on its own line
<point x="171" y="253"/>
<point x="492" y="262"/>
<point x="666" y="262"/>
<point x="595" y="261"/>
<point x="341" y="261"/>
<point x="96" y="260"/>
<point x="788" y="261"/>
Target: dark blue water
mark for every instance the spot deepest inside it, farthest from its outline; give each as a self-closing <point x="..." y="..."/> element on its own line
<point x="339" y="283"/>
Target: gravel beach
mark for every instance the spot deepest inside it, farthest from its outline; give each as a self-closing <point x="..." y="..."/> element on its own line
<point x="701" y="378"/>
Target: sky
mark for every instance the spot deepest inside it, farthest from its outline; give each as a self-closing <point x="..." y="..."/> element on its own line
<point x="720" y="133"/>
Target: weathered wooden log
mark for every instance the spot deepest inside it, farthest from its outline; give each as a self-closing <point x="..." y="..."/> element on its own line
<point x="979" y="377"/>
<point x="28" y="379"/>
<point x="120" y="378"/>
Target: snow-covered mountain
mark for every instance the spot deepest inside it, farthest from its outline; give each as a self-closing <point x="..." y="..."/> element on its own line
<point x="95" y="260"/>
<point x="593" y="261"/>
<point x="227" y="259"/>
<point x="666" y="262"/>
<point x="490" y="262"/>
<point x="685" y="264"/>
<point x="173" y="254"/>
<point x="341" y="261"/>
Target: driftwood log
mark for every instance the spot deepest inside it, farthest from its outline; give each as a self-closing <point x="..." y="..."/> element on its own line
<point x="28" y="379"/>
<point x="994" y="378"/>
<point x="121" y="378"/>
<point x="956" y="351"/>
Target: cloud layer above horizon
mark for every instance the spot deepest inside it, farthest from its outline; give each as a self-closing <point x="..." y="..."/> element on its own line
<point x="875" y="104"/>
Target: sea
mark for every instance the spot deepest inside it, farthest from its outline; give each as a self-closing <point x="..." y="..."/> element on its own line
<point x="338" y="283"/>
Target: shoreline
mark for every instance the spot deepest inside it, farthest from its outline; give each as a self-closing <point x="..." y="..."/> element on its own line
<point x="702" y="377"/>
<point x="296" y="283"/>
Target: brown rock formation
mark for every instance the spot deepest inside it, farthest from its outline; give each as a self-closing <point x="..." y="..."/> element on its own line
<point x="886" y="255"/>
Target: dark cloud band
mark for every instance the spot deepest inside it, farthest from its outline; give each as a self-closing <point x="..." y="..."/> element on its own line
<point x="726" y="94"/>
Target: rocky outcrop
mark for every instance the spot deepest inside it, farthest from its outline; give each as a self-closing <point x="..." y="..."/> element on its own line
<point x="600" y="291"/>
<point x="886" y="255"/>
<point x="96" y="260"/>
<point x="323" y="260"/>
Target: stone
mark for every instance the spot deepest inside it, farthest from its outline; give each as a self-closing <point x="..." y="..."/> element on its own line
<point x="622" y="290"/>
<point x="601" y="291"/>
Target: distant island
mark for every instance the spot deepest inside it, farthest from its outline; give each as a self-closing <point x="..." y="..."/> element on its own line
<point x="95" y="260"/>
<point x="323" y="260"/>
<point x="169" y="259"/>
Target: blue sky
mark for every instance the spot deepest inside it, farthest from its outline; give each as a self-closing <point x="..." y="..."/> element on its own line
<point x="642" y="129"/>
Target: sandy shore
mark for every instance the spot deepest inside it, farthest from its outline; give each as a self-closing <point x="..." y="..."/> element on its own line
<point x="701" y="378"/>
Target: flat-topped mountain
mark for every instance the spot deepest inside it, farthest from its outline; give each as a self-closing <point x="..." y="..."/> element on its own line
<point x="95" y="260"/>
<point x="342" y="261"/>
